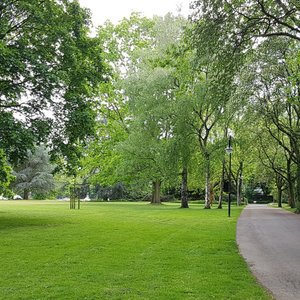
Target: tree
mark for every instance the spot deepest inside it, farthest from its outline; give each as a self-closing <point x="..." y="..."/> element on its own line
<point x="35" y="174"/>
<point x="5" y="175"/>
<point x="138" y="105"/>
<point x="277" y="95"/>
<point x="280" y="164"/>
<point x="102" y="162"/>
<point x="156" y="104"/>
<point x="49" y="71"/>
<point x="241" y="22"/>
<point x="150" y="94"/>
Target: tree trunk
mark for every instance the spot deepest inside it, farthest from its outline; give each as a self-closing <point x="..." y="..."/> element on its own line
<point x="26" y="194"/>
<point x="211" y="195"/>
<point x="295" y="147"/>
<point x="298" y="184"/>
<point x="279" y="196"/>
<point x="156" y="192"/>
<point x="279" y="185"/>
<point x="239" y="185"/>
<point x="290" y="185"/>
<point x="207" y="182"/>
<point x="184" y="195"/>
<point x="221" y="185"/>
<point x="291" y="193"/>
<point x="223" y="173"/>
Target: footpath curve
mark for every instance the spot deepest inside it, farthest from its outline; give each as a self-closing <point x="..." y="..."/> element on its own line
<point x="269" y="241"/>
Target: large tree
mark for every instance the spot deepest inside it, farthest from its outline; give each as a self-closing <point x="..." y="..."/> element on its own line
<point x="49" y="71"/>
<point x="150" y="93"/>
<point x="160" y="143"/>
<point x="138" y="103"/>
<point x="119" y="42"/>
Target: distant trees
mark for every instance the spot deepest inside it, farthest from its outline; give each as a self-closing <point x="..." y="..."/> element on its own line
<point x="35" y="174"/>
<point x="164" y="103"/>
<point x="149" y="103"/>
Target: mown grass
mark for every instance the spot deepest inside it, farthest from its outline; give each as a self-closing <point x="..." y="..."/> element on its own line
<point x="284" y="206"/>
<point x="120" y="251"/>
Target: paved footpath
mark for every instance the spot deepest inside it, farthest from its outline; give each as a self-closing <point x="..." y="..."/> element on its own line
<point x="269" y="240"/>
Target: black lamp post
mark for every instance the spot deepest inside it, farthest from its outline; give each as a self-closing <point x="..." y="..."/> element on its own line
<point x="229" y="151"/>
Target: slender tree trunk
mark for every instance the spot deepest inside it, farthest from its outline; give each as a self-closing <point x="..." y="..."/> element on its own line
<point x="295" y="148"/>
<point x="222" y="184"/>
<point x="184" y="195"/>
<point x="207" y="182"/>
<point x="291" y="192"/>
<point x="222" y="175"/>
<point x="238" y="195"/>
<point x="279" y="185"/>
<point x="279" y="196"/>
<point x="211" y="195"/>
<point x="26" y="194"/>
<point x="239" y="185"/>
<point x="156" y="192"/>
<point x="298" y="184"/>
<point x="290" y="184"/>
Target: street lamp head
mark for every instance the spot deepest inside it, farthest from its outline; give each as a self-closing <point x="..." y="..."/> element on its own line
<point x="229" y="150"/>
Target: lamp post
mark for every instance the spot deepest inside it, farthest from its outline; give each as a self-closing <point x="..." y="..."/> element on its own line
<point x="229" y="151"/>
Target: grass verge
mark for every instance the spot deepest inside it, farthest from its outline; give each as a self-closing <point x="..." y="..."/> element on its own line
<point x="284" y="206"/>
<point x="120" y="251"/>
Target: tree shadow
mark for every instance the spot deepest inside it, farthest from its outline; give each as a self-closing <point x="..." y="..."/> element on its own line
<point x="8" y="221"/>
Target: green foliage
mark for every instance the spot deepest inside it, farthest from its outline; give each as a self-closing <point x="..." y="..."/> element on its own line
<point x="48" y="63"/>
<point x="5" y="175"/>
<point x="102" y="160"/>
<point x="15" y="139"/>
<point x="154" y="148"/>
<point x="122" y="42"/>
<point x="35" y="174"/>
<point x="237" y="24"/>
<point x="256" y="42"/>
<point x="150" y="100"/>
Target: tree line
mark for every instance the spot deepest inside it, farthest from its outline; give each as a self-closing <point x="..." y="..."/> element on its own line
<point x="150" y="102"/>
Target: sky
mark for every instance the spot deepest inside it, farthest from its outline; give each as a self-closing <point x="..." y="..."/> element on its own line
<point x="115" y="10"/>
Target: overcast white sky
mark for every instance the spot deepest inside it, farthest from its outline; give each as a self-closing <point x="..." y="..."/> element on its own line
<point x="115" y="10"/>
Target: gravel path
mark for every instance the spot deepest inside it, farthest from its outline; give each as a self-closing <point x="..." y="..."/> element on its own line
<point x="269" y="240"/>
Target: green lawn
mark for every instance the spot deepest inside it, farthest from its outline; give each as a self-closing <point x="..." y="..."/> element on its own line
<point x="284" y="206"/>
<point x="120" y="251"/>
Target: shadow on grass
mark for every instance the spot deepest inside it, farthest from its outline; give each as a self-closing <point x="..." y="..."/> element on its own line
<point x="11" y="222"/>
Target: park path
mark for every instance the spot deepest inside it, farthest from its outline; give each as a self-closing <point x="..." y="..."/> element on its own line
<point x="269" y="240"/>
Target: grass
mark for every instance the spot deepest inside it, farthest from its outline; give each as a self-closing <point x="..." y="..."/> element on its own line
<point x="120" y="251"/>
<point x="284" y="206"/>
